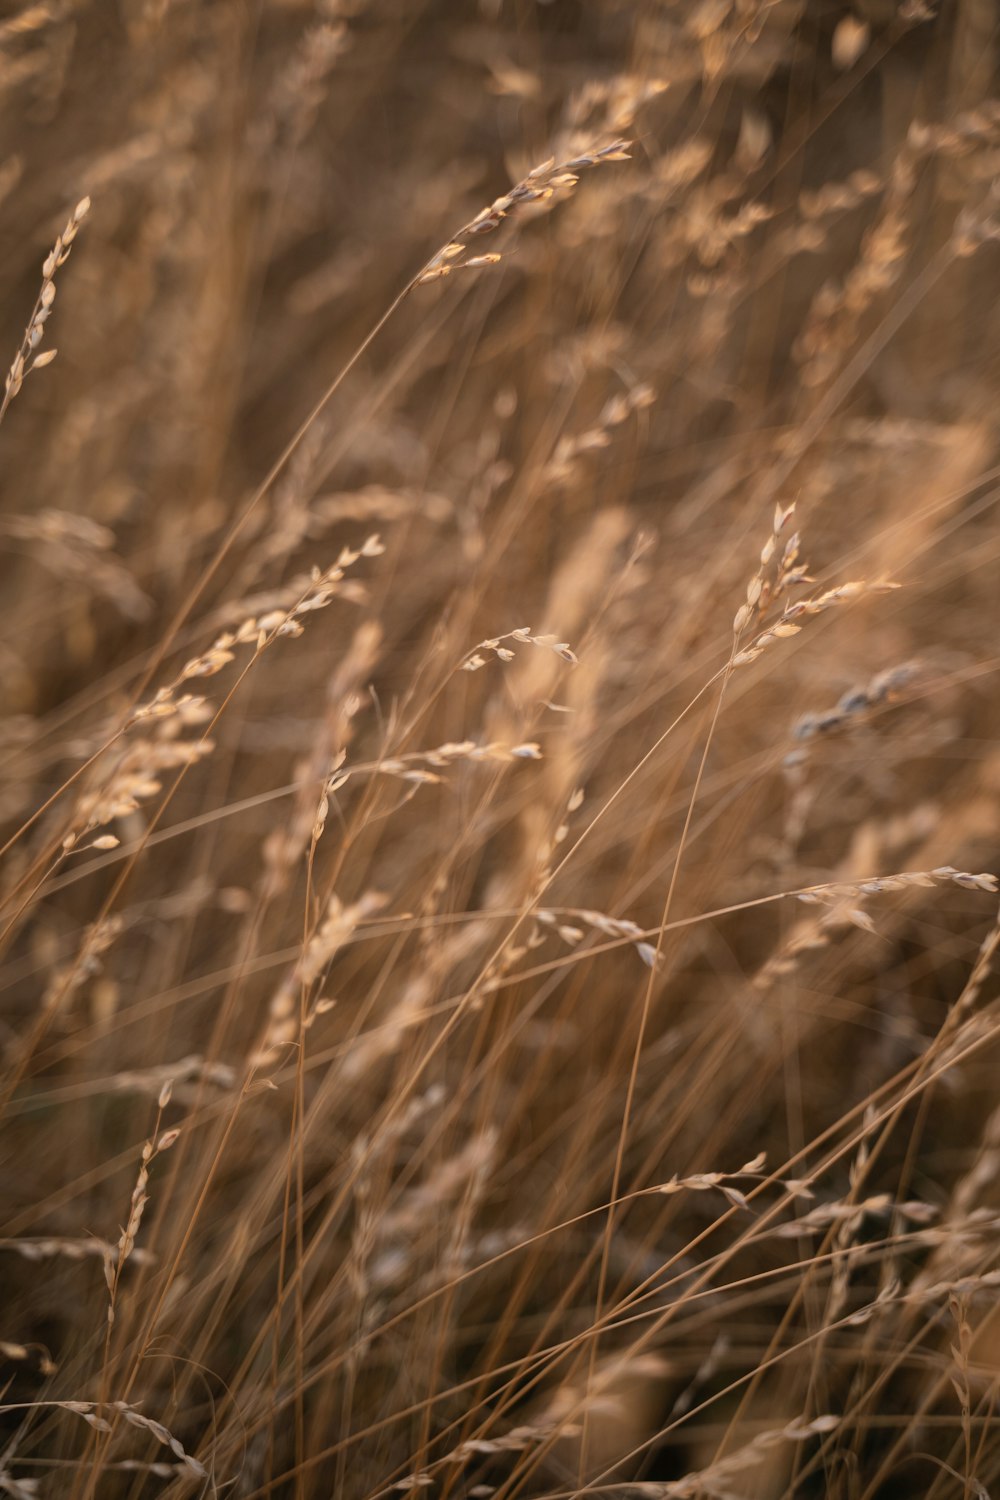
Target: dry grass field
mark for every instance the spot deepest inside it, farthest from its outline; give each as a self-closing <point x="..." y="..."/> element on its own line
<point x="500" y="749"/>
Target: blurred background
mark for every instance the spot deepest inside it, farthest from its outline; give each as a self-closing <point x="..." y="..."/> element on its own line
<point x="499" y="748"/>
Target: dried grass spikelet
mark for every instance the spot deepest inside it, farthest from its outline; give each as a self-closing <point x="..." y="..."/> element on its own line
<point x="726" y="1478"/>
<point x="417" y="1242"/>
<point x="337" y="926"/>
<point x="248" y="613"/>
<point x="839" y="195"/>
<point x="597" y="922"/>
<point x="99" y="1415"/>
<point x="53" y="1247"/>
<point x="128" y="777"/>
<point x="26" y="359"/>
<point x="521" y="636"/>
<point x="569" y="924"/>
<point x="36" y="1353"/>
<point x="981" y="970"/>
<point x="285" y="1014"/>
<point x="848" y="1227"/>
<point x="785" y="625"/>
<point x="583" y="590"/>
<point x="736" y="40"/>
<point x="855" y="709"/>
<point x="722" y="1182"/>
<point x="679" y="168"/>
<point x="260" y="631"/>
<point x="711" y="232"/>
<point x="787" y="572"/>
<point x="304" y="596"/>
<point x="187" y="1077"/>
<point x="135" y="774"/>
<point x="850" y="1212"/>
<point x="818" y="210"/>
<point x="835" y="317"/>
<point x="468" y="1167"/>
<point x="573" y="596"/>
<point x="960" y="1374"/>
<point x="541" y="184"/>
<point x="833" y="893"/>
<point x="297" y="93"/>
<point x="413" y="767"/>
<point x="377" y="502"/>
<point x="65" y="982"/>
<point x="604" y="106"/>
<point x="833" y="323"/>
<point x="158" y="1142"/>
<point x="77" y="548"/>
<point x="970" y="1208"/>
<point x="409" y="766"/>
<point x="565" y="464"/>
<point x="287" y="843"/>
<point x="886" y="687"/>
<point x="20" y="1488"/>
<point x="620" y="1403"/>
<point x="844" y="900"/>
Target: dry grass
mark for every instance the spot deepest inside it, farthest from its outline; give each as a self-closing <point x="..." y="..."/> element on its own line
<point x="441" y="1053"/>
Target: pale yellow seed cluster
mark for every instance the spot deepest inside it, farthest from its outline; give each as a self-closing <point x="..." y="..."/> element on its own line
<point x="541" y="184"/>
<point x="522" y="636"/>
<point x="26" y="358"/>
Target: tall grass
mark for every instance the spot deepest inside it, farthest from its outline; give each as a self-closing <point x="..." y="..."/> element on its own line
<point x="500" y="772"/>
